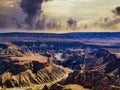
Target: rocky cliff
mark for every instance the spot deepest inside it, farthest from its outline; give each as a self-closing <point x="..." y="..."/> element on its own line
<point x="20" y="67"/>
<point x="102" y="72"/>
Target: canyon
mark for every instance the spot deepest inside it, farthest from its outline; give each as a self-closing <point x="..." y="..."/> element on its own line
<point x="73" y="61"/>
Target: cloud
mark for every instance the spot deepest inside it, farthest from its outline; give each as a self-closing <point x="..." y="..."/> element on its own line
<point x="28" y="14"/>
<point x="33" y="9"/>
<point x="9" y="22"/>
<point x="116" y="11"/>
<point x="6" y="3"/>
<point x="72" y="23"/>
<point x="114" y="21"/>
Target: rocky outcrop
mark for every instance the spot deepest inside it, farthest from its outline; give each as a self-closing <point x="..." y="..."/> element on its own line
<point x="85" y="59"/>
<point x="20" y="67"/>
<point x="93" y="79"/>
<point x="98" y="70"/>
<point x="9" y="49"/>
<point x="28" y="77"/>
<point x="102" y="74"/>
<point x="65" y="87"/>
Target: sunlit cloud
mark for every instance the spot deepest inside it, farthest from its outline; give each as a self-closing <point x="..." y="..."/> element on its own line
<point x="88" y="14"/>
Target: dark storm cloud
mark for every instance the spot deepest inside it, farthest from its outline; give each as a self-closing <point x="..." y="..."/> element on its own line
<point x="116" y="11"/>
<point x="71" y="23"/>
<point x="6" y="22"/>
<point x="112" y="23"/>
<point x="116" y="20"/>
<point x="32" y="8"/>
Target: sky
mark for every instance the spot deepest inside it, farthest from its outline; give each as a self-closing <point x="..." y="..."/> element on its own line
<point x="81" y="9"/>
<point x="62" y="16"/>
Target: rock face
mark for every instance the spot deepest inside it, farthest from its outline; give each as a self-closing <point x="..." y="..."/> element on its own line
<point x="65" y="87"/>
<point x="102" y="72"/>
<point x="93" y="79"/>
<point x="20" y="67"/>
<point x="82" y="60"/>
<point x="28" y="77"/>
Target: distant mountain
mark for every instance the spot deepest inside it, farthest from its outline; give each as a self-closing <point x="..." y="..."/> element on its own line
<point x="75" y="35"/>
